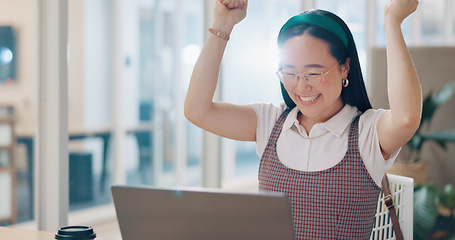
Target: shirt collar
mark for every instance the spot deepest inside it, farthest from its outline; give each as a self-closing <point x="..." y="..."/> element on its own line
<point x="336" y="125"/>
<point x="341" y="121"/>
<point x="291" y="119"/>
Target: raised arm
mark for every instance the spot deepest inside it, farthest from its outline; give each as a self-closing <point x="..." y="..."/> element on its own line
<point x="227" y="120"/>
<point x="397" y="126"/>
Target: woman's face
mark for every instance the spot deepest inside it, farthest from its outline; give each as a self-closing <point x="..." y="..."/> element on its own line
<point x="306" y="53"/>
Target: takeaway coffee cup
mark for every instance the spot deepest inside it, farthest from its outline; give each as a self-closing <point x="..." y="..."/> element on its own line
<point x="75" y="233"/>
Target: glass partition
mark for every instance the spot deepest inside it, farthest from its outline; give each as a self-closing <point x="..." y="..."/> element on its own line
<point x="90" y="102"/>
<point x="158" y="43"/>
<point x="353" y="12"/>
<point x="432" y="16"/>
<point x="169" y="37"/>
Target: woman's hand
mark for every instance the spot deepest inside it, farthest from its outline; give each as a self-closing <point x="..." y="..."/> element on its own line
<point x="228" y="13"/>
<point x="398" y="10"/>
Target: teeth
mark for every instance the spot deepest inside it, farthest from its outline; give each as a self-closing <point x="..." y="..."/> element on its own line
<point x="309" y="99"/>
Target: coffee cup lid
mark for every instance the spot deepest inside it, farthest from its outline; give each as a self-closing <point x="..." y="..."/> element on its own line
<point x="75" y="232"/>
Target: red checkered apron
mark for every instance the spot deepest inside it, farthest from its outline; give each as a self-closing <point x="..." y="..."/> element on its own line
<point x="336" y="203"/>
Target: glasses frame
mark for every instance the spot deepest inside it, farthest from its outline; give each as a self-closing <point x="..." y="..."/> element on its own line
<point x="302" y="75"/>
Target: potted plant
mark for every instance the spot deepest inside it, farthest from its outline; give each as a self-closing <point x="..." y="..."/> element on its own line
<point x="410" y="162"/>
<point x="434" y="212"/>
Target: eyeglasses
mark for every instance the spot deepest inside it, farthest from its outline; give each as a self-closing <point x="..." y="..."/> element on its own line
<point x="314" y="78"/>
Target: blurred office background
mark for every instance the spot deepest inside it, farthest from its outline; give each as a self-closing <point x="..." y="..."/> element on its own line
<point x="129" y="64"/>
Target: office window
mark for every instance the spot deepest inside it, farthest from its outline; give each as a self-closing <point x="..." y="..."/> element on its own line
<point x="453" y="19"/>
<point x="248" y="74"/>
<point x="432" y="17"/>
<point x="170" y="37"/>
<point x="429" y="26"/>
<point x="353" y="12"/>
<point x="158" y="43"/>
<point x="90" y="123"/>
<point x="380" y="39"/>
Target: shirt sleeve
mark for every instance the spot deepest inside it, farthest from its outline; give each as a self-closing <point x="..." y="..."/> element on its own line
<point x="369" y="147"/>
<point x="267" y="115"/>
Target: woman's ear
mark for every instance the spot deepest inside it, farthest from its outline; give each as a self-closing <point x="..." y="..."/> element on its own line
<point x="346" y="67"/>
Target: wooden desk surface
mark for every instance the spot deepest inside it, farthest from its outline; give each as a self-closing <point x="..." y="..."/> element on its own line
<point x="8" y="233"/>
<point x="20" y="234"/>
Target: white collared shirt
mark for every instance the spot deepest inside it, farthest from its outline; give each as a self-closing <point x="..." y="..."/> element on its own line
<point x="329" y="141"/>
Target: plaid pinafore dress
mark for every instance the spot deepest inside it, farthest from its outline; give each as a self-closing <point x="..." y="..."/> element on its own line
<point x="336" y="203"/>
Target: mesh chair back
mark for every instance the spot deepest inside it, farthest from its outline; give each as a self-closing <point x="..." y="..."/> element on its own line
<point x="402" y="189"/>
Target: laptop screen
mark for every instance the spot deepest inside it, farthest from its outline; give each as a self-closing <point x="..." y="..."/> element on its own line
<point x="200" y="213"/>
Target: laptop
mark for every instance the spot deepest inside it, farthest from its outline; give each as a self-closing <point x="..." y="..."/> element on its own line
<point x="145" y="212"/>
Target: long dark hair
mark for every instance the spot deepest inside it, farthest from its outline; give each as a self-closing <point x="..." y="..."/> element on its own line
<point x="355" y="93"/>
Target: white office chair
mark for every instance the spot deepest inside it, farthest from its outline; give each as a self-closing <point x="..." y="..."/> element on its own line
<point x="402" y="189"/>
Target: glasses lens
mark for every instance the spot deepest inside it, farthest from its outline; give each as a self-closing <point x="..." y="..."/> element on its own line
<point x="287" y="78"/>
<point x="290" y="78"/>
<point x="314" y="78"/>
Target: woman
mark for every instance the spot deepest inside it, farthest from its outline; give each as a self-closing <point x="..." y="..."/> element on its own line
<point x="326" y="148"/>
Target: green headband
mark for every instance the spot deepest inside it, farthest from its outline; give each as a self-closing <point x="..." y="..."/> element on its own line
<point x="318" y="20"/>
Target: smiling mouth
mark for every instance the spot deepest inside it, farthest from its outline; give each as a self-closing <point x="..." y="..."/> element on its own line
<point x="309" y="99"/>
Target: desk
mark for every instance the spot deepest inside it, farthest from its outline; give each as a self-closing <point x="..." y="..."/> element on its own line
<point x="7" y="233"/>
<point x="142" y="132"/>
<point x="105" y="135"/>
<point x="20" y="234"/>
<point x="27" y="138"/>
